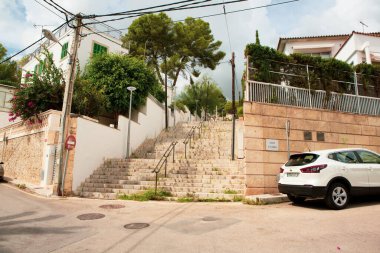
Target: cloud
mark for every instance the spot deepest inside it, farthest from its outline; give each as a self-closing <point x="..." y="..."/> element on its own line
<point x="296" y="19"/>
<point x="342" y="17"/>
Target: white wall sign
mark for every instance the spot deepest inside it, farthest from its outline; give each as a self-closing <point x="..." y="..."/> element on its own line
<point x="271" y="145"/>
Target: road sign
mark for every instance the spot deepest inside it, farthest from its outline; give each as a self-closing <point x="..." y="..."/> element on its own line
<point x="70" y="142"/>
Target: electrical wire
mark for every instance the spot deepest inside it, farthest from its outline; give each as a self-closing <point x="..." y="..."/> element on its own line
<point x="138" y="14"/>
<point x="228" y="30"/>
<point x="214" y="15"/>
<point x="26" y="48"/>
<point x="93" y="32"/>
<point x="49" y="10"/>
<point x="57" y="7"/>
<point x="137" y="10"/>
<point x="170" y="9"/>
<point x="246" y="9"/>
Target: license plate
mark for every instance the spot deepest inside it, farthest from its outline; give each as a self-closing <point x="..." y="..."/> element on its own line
<point x="292" y="174"/>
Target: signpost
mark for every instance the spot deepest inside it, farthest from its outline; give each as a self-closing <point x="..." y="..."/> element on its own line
<point x="70" y="144"/>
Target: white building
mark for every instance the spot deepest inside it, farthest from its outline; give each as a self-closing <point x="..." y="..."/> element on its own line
<point x="354" y="48"/>
<point x="6" y="94"/>
<point x="96" y="39"/>
<point x="324" y="46"/>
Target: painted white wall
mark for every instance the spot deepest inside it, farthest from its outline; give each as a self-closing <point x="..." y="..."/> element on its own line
<point x="6" y="93"/>
<point x="353" y="50"/>
<point x="313" y="46"/>
<point x="84" y="51"/>
<point x="95" y="142"/>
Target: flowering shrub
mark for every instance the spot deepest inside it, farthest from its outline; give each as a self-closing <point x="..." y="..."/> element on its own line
<point x="38" y="93"/>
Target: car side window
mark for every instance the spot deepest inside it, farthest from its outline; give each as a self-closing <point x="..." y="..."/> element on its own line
<point x="368" y="157"/>
<point x="346" y="157"/>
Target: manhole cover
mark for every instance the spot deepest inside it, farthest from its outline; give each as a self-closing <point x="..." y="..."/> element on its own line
<point x="90" y="216"/>
<point x="136" y="225"/>
<point x="111" y="206"/>
<point x="209" y="218"/>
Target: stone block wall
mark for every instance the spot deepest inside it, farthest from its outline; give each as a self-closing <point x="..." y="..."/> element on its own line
<point x="23" y="157"/>
<point x="267" y="121"/>
<point x="26" y="149"/>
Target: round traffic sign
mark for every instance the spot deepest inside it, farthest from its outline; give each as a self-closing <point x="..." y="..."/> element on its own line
<point x="70" y="142"/>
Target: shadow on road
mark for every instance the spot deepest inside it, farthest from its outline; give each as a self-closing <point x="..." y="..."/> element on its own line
<point x="16" y="222"/>
<point x="356" y="202"/>
<point x="10" y="217"/>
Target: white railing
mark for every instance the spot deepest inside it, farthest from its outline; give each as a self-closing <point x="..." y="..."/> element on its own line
<point x="318" y="99"/>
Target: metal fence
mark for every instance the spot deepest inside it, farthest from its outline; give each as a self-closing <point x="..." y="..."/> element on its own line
<point x="287" y="95"/>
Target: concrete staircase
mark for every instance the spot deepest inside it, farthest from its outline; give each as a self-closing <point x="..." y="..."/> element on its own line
<point x="208" y="171"/>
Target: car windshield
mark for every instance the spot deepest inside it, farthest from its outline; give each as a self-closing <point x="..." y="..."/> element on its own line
<point x="301" y="159"/>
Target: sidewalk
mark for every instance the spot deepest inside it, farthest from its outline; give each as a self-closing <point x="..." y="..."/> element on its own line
<point x="44" y="191"/>
<point x="47" y="192"/>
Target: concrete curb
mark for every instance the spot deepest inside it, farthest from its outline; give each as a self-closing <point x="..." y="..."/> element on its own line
<point x="265" y="199"/>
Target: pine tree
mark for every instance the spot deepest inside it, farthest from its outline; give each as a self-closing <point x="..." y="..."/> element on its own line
<point x="257" y="38"/>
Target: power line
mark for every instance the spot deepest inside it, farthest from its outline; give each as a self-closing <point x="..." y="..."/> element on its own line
<point x="214" y="15"/>
<point x="171" y="9"/>
<point x="138" y="14"/>
<point x="93" y="32"/>
<point x="49" y="10"/>
<point x="247" y="9"/>
<point x="34" y="43"/>
<point x="228" y="30"/>
<point x="60" y="7"/>
<point x="137" y="10"/>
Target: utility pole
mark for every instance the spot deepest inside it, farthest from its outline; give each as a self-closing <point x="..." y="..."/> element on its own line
<point x="233" y="106"/>
<point x="67" y="101"/>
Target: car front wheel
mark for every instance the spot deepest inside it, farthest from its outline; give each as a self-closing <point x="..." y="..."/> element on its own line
<point x="295" y="199"/>
<point x="337" y="196"/>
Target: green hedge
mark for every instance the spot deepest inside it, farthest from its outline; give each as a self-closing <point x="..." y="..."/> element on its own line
<point x="323" y="73"/>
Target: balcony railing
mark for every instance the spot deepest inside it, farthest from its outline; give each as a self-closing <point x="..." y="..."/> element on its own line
<point x="318" y="99"/>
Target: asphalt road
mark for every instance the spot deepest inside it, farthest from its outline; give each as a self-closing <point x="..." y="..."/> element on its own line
<point x="34" y="224"/>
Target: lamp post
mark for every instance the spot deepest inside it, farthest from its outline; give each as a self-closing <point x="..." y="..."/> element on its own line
<point x="131" y="89"/>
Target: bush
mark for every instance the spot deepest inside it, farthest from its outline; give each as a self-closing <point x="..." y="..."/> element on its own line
<point x="323" y="73"/>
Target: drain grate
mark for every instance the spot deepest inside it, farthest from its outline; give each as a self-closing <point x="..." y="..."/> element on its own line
<point x="210" y="218"/>
<point x="90" y="216"/>
<point x="136" y="225"/>
<point x="112" y="206"/>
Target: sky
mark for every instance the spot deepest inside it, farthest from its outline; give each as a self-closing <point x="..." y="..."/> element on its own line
<point x="20" y="22"/>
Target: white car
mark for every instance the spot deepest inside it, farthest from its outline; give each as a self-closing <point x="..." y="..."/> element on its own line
<point x="334" y="175"/>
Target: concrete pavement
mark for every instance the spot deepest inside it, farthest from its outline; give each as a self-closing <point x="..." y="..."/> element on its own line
<point x="34" y="224"/>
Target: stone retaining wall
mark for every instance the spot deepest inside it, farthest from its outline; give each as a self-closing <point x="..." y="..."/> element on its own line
<point x="267" y="121"/>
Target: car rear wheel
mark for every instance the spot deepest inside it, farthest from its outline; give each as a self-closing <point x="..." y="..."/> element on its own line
<point x="295" y="199"/>
<point x="337" y="196"/>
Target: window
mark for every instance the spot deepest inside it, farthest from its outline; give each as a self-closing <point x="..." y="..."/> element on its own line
<point x="307" y="136"/>
<point x="368" y="157"/>
<point x="98" y="49"/>
<point x="64" y="51"/>
<point x="345" y="157"/>
<point x="320" y="136"/>
<point x="301" y="159"/>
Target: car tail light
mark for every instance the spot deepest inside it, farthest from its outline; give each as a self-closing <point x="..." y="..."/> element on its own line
<point x="313" y="169"/>
<point x="281" y="170"/>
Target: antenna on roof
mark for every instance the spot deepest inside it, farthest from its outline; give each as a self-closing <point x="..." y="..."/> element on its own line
<point x="362" y="23"/>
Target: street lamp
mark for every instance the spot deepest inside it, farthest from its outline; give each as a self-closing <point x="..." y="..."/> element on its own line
<point x="131" y="89"/>
<point x="50" y="36"/>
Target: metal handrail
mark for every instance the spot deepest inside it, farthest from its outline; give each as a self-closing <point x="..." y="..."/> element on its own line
<point x="317" y="99"/>
<point x="164" y="161"/>
<point x="191" y="135"/>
